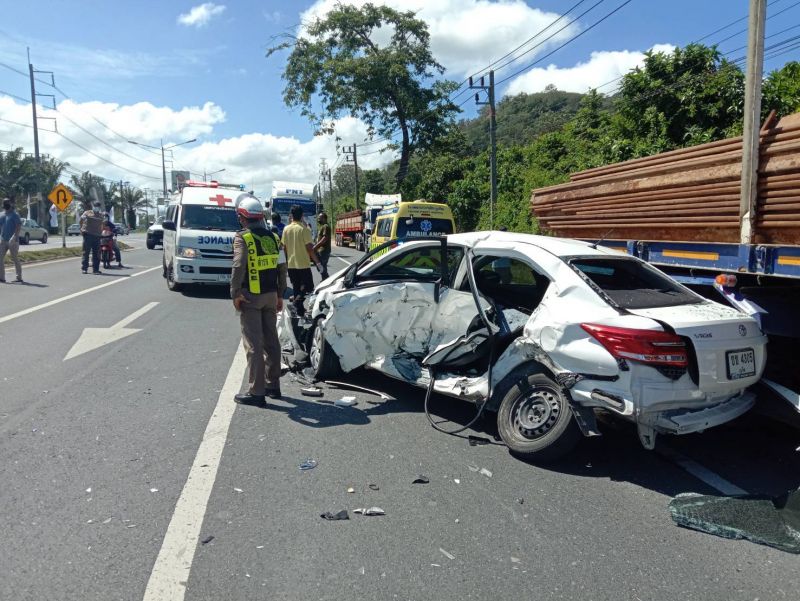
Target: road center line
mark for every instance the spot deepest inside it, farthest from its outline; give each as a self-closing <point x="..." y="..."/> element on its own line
<point x="701" y="472"/>
<point x="30" y="310"/>
<point x="344" y="261"/>
<point x="170" y="573"/>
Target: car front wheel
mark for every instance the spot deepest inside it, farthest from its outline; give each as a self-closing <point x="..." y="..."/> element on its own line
<point x="171" y="283"/>
<point x="26" y="239"/>
<point x="44" y="238"/>
<point x="323" y="360"/>
<point x="150" y="244"/>
<point x="534" y="419"/>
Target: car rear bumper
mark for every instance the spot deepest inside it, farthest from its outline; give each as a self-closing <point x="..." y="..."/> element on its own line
<point x="686" y="421"/>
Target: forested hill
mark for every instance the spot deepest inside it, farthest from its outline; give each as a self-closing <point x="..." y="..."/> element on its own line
<point x="521" y="118"/>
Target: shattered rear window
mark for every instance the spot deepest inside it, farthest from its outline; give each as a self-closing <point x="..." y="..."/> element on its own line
<point x="631" y="284"/>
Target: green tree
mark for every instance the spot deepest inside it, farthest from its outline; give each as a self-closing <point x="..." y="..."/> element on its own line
<point x="690" y="96"/>
<point x="341" y="64"/>
<point x="90" y="187"/>
<point x="781" y="90"/>
<point x="132" y="199"/>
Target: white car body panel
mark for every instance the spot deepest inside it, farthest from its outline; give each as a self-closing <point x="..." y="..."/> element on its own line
<point x="389" y="326"/>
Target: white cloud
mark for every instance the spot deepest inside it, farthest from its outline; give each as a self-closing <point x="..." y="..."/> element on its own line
<point x="200" y="15"/>
<point x="467" y="35"/>
<point x="602" y="67"/>
<point x="254" y="159"/>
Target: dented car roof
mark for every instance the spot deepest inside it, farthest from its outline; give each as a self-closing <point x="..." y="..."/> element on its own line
<point x="561" y="247"/>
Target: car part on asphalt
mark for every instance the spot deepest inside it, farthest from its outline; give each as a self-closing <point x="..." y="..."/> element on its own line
<point x="374" y="487"/>
<point x="370" y="511"/>
<point x="345" y="401"/>
<point x="475" y="441"/>
<point x="771" y="521"/>
<point x="332" y="517"/>
<point x="421" y="480"/>
<point x="311" y="391"/>
<point x="308" y="464"/>
<point x="349" y="386"/>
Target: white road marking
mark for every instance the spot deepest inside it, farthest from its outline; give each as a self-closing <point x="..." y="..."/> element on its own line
<point x="344" y="260"/>
<point x="701" y="472"/>
<point x="174" y="562"/>
<point x="94" y="338"/>
<point x="30" y="310"/>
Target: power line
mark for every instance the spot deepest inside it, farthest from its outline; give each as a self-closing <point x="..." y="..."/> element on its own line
<point x="569" y="41"/>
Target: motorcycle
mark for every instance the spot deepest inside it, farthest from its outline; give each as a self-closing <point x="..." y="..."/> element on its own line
<point x="107" y="247"/>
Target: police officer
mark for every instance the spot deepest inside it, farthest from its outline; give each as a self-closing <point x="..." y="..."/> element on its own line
<point x="258" y="281"/>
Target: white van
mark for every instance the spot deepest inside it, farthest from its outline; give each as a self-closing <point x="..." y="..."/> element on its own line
<point x="198" y="234"/>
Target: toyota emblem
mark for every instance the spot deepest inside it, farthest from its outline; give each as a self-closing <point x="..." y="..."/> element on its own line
<point x="742" y="330"/>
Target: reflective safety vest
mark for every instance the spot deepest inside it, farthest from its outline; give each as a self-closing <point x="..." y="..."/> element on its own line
<point x="262" y="262"/>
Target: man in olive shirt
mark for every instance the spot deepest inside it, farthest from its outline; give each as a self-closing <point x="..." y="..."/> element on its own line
<point x="323" y="245"/>
<point x="300" y="253"/>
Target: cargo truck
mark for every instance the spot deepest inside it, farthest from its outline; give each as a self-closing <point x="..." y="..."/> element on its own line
<point x="355" y="227"/>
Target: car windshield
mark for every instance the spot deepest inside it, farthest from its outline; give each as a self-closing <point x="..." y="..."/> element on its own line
<point x="198" y="217"/>
<point x="422" y="227"/>
<point x="632" y="284"/>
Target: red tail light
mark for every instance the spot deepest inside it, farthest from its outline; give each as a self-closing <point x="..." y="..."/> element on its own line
<point x="646" y="346"/>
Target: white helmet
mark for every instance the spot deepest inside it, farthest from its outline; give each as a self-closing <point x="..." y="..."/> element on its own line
<point x="249" y="207"/>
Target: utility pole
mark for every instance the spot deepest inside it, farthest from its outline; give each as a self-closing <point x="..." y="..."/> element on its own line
<point x="492" y="139"/>
<point x="323" y="167"/>
<point x="752" y="120"/>
<point x="351" y="154"/>
<point x="37" y="157"/>
<point x="330" y="192"/>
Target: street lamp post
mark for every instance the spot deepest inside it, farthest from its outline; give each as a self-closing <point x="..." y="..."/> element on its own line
<point x="205" y="175"/>
<point x="163" y="162"/>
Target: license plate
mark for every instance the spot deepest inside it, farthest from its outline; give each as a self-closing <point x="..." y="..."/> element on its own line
<point x="225" y="277"/>
<point x="741" y="363"/>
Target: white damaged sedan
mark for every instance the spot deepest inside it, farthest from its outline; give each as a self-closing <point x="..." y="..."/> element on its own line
<point x="541" y="330"/>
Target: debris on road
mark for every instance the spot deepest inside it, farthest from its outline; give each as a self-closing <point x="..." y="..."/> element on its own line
<point x="374" y="487"/>
<point x="446" y="554"/>
<point x="308" y="464"/>
<point x="153" y="490"/>
<point x="370" y="511"/>
<point x="486" y="472"/>
<point x="521" y="501"/>
<point x="383" y="395"/>
<point x="89" y="490"/>
<point x="475" y="441"/>
<point x="332" y="517"/>
<point x="206" y="540"/>
<point x="456" y="480"/>
<point x="345" y="401"/>
<point x="770" y="521"/>
<point x="473" y="468"/>
<point x="421" y="480"/>
<point x="311" y="391"/>
<point x="238" y="490"/>
<point x="351" y="490"/>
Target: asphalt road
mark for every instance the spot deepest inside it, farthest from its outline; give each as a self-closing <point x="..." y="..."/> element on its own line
<point x="127" y="467"/>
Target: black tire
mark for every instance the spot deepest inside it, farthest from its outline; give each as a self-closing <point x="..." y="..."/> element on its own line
<point x="323" y="360"/>
<point x="44" y="238"/>
<point x="150" y="244"/>
<point x="163" y="268"/>
<point x="26" y="239"/>
<point x="534" y="418"/>
<point x="171" y="283"/>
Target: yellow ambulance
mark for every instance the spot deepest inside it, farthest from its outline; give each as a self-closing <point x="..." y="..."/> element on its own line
<point x="415" y="219"/>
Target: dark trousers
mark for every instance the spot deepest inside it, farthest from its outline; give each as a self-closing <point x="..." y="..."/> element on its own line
<point x="324" y="257"/>
<point x="260" y="335"/>
<point x="91" y="243"/>
<point x="302" y="284"/>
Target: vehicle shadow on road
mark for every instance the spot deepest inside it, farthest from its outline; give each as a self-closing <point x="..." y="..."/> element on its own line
<point x="318" y="414"/>
<point x="218" y="292"/>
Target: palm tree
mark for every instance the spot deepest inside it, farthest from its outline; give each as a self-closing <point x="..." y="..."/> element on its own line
<point x="132" y="199"/>
<point x="90" y="187"/>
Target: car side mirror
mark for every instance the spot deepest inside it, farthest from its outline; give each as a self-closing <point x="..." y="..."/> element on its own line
<point x="350" y="276"/>
<point x="168" y="225"/>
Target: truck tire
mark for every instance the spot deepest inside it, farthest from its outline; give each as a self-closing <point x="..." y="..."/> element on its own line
<point x="534" y="418"/>
<point x="324" y="362"/>
<point x="151" y="244"/>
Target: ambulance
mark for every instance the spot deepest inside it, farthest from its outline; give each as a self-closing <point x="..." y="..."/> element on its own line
<point x="415" y="219"/>
<point x="199" y="227"/>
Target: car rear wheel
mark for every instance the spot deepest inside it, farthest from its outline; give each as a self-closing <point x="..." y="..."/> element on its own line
<point x="44" y="238"/>
<point x="26" y="239"/>
<point x="534" y="418"/>
<point x="171" y="283"/>
<point x="150" y="244"/>
<point x="323" y="360"/>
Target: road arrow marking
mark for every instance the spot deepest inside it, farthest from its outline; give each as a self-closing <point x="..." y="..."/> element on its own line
<point x="94" y="338"/>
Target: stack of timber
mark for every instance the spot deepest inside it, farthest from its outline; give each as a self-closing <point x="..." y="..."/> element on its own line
<point x="688" y="194"/>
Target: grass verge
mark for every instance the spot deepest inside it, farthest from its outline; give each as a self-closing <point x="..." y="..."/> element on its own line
<point x="49" y="254"/>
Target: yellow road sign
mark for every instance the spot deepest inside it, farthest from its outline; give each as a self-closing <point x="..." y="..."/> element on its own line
<point x="61" y="197"/>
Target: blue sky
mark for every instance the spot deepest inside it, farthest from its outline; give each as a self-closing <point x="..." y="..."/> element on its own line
<point x="110" y="56"/>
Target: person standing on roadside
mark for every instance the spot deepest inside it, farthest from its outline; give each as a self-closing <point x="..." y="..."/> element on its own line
<point x="323" y="245"/>
<point x="299" y="255"/>
<point x="258" y="281"/>
<point x="277" y="225"/>
<point x="10" y="224"/>
<point x="91" y="230"/>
